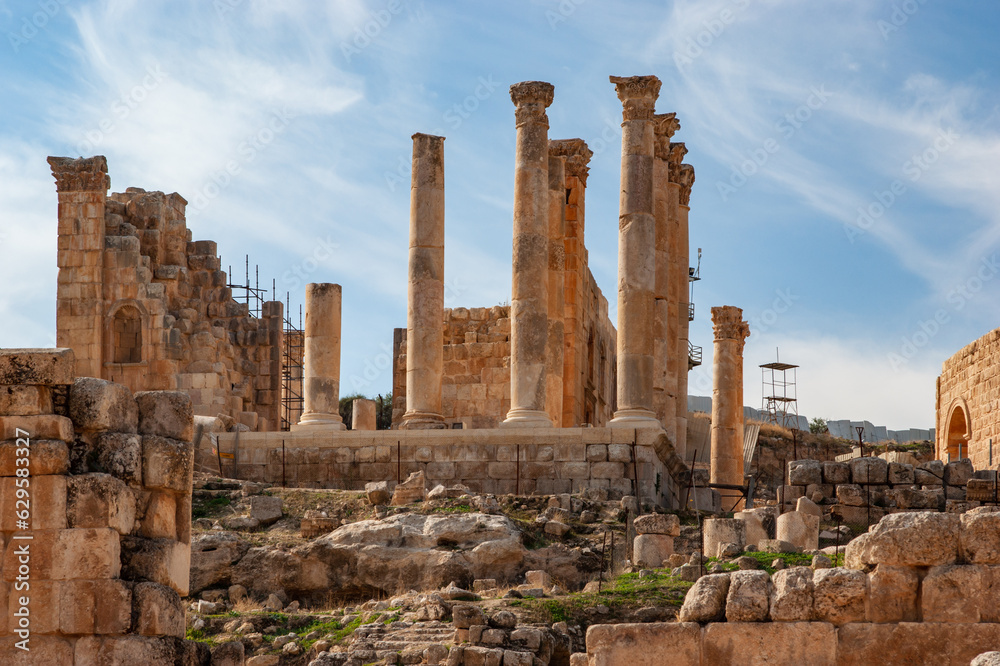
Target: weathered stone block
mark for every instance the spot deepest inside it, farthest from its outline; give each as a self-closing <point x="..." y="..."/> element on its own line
<point x="162" y="561"/>
<point x="893" y="594"/>
<point x="958" y="472"/>
<point x="46" y="456"/>
<point x="908" y="643"/>
<point x="658" y="523"/>
<point x="755" y="532"/>
<point x="749" y="596"/>
<point x="980" y="535"/>
<point x="167" y="464"/>
<point x="650" y="644"/>
<point x="651" y="550"/>
<point x="771" y="644"/>
<point x="952" y="593"/>
<point x="100" y="500"/>
<point x="44" y="426"/>
<point x="799" y="529"/>
<point x="266" y="509"/>
<point x="840" y="595"/>
<point x="95" y="606"/>
<point x="97" y="405"/>
<point x="908" y="498"/>
<point x="792" y="595"/>
<point x="46" y="506"/>
<point x="908" y="539"/>
<point x="805" y="472"/>
<point x="118" y="454"/>
<point x="719" y="531"/>
<point x="159" y="520"/>
<point x="836" y="473"/>
<point x="20" y="400"/>
<point x="44" y="650"/>
<point x="43" y="367"/>
<point x="852" y="495"/>
<point x="869" y="470"/>
<point x="706" y="600"/>
<point x="900" y="473"/>
<point x="166" y="414"/>
<point x="930" y="473"/>
<point x="158" y="610"/>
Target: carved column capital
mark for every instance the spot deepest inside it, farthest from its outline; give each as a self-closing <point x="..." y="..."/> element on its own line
<point x="664" y="126"/>
<point x="674" y="156"/>
<point x="530" y="99"/>
<point x="86" y="174"/>
<point x="728" y="324"/>
<point x="638" y="95"/>
<point x="686" y="179"/>
<point x="577" y="156"/>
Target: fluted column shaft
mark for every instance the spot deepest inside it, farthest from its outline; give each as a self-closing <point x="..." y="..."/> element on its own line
<point x="727" y="404"/>
<point x="321" y="382"/>
<point x="425" y="292"/>
<point x="636" y="254"/>
<point x="686" y="178"/>
<point x="529" y="284"/>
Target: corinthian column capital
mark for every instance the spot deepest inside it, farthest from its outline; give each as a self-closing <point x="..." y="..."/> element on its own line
<point x="638" y="95"/>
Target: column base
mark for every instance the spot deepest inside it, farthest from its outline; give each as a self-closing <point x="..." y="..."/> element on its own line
<point x="635" y="418"/>
<point x="320" y="420"/>
<point x="422" y="421"/>
<point x="527" y="418"/>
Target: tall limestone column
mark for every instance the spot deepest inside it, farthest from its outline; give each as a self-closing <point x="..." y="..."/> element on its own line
<point x="577" y="156"/>
<point x="529" y="285"/>
<point x="727" y="401"/>
<point x="82" y="186"/>
<point x="425" y="294"/>
<point x="321" y="385"/>
<point x="664" y="209"/>
<point x="686" y="178"/>
<point x="636" y="254"/>
<point x="556" y="295"/>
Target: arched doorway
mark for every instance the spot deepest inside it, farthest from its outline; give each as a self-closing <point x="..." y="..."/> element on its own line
<point x="958" y="433"/>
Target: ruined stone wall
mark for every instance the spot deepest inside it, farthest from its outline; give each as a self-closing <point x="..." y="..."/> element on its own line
<point x="95" y="572"/>
<point x="968" y="413"/>
<point x="143" y="305"/>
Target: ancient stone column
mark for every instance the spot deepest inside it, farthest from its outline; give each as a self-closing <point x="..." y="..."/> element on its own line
<point x="727" y="406"/>
<point x="686" y="178"/>
<point x="636" y="254"/>
<point x="556" y="296"/>
<point x="577" y="156"/>
<point x="82" y="186"/>
<point x="425" y="294"/>
<point x="321" y="385"/>
<point x="665" y="360"/>
<point x="364" y="414"/>
<point x="529" y="284"/>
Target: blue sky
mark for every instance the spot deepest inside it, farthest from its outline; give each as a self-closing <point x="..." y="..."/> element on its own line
<point x="846" y="156"/>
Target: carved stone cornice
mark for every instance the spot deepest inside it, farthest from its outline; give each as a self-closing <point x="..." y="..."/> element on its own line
<point x="577" y="156"/>
<point x="530" y="99"/>
<point x="728" y="324"/>
<point x="664" y="126"/>
<point x="686" y="179"/>
<point x="638" y="95"/>
<point x="85" y="174"/>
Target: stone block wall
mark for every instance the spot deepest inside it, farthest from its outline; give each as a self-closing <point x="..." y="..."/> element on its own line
<point x="142" y="304"/>
<point x="916" y="589"/>
<point x="967" y="411"/>
<point x="95" y="572"/>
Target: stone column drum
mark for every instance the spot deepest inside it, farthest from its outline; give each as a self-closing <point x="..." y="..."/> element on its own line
<point x="425" y="293"/>
<point x="665" y="333"/>
<point x="557" y="285"/>
<point x="321" y="385"/>
<point x="727" y="406"/>
<point x="636" y="254"/>
<point x="529" y="284"/>
<point x="686" y="178"/>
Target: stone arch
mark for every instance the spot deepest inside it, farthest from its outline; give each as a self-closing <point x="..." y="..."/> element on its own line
<point x="958" y="430"/>
<point x="124" y="333"/>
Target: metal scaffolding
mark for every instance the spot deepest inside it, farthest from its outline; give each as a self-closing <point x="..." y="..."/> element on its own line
<point x="780" y="403"/>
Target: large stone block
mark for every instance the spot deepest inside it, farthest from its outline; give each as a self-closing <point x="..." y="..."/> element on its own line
<point x="46" y="501"/>
<point x="658" y="523"/>
<point x="930" y="473"/>
<point x="212" y="556"/>
<point x="900" y="473"/>
<point x="840" y="595"/>
<point x="706" y="600"/>
<point x="908" y="643"/>
<point x="43" y="367"/>
<point x="43" y="609"/>
<point x="792" y="595"/>
<point x="850" y="494"/>
<point x="980" y="535"/>
<point x="95" y="606"/>
<point x="162" y="561"/>
<point x="118" y="454"/>
<point x="836" y="473"/>
<point x="44" y="426"/>
<point x="44" y="650"/>
<point x="749" y="595"/>
<point x="908" y="498"/>
<point x="20" y="400"/>
<point x="805" y="472"/>
<point x="893" y="594"/>
<point x="45" y="456"/>
<point x="266" y="509"/>
<point x="166" y="414"/>
<point x="799" y="529"/>
<point x="869" y="470"/>
<point x="770" y="644"/>
<point x="167" y="464"/>
<point x="650" y="644"/>
<point x="145" y="650"/>
<point x="908" y="539"/>
<point x="67" y="554"/>
<point x="158" y="610"/>
<point x="755" y="532"/>
<point x="651" y="550"/>
<point x="958" y="472"/>
<point x="100" y="500"/>
<point x="720" y="531"/>
<point x="953" y="593"/>
<point x="97" y="404"/>
<point x="159" y="516"/>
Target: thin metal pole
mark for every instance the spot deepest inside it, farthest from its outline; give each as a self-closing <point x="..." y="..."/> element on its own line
<point x="517" y="476"/>
<point x="399" y="462"/>
<point x="600" y="576"/>
<point x="283" y="464"/>
<point x="635" y="472"/>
